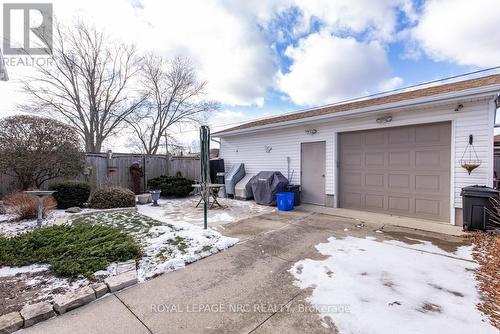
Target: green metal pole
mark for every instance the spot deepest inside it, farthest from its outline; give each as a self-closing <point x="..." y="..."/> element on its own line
<point x="204" y="158"/>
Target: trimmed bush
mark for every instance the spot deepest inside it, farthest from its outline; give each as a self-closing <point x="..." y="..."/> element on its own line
<point x="70" y="194"/>
<point x="70" y="250"/>
<point x="112" y="197"/>
<point x="25" y="206"/>
<point x="171" y="186"/>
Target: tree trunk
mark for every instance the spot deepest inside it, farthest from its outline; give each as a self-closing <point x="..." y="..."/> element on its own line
<point x="93" y="147"/>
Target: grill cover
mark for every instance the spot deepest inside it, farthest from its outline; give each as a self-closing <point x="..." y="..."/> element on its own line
<point x="235" y="174"/>
<point x="264" y="187"/>
<point x="240" y="190"/>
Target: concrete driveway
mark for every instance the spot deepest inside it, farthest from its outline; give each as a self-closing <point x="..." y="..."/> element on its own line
<point x="245" y="289"/>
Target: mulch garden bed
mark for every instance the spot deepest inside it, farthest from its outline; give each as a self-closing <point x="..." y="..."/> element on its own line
<point x="486" y="252"/>
<point x="32" y="287"/>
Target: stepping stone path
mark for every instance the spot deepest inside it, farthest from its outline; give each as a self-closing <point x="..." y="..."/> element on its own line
<point x="74" y="209"/>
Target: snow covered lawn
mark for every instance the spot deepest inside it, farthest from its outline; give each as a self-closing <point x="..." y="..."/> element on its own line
<point x="171" y="236"/>
<point x="10" y="225"/>
<point x="368" y="286"/>
<point x="176" y="211"/>
<point x="167" y="244"/>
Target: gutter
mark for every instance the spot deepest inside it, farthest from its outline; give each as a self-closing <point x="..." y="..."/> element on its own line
<point x="475" y="92"/>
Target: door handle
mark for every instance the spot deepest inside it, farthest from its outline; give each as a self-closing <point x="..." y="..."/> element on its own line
<point x="323" y="175"/>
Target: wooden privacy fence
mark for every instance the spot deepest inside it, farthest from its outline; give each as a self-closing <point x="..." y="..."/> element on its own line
<point x="113" y="169"/>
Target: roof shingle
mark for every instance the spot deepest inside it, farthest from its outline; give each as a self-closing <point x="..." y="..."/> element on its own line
<point x="408" y="95"/>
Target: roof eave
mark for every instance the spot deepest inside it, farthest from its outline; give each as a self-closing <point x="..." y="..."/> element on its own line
<point x="472" y="93"/>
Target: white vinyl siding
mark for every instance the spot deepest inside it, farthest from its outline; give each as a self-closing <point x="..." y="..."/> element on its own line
<point x="251" y="150"/>
<point x="476" y="121"/>
<point x="475" y="118"/>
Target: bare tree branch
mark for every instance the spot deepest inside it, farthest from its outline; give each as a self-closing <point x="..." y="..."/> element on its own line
<point x="175" y="96"/>
<point x="89" y="84"/>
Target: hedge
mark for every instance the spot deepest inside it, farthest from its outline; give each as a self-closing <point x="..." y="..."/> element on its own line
<point x="171" y="186"/>
<point x="71" y="194"/>
<point x="112" y="197"/>
<point x="70" y="250"/>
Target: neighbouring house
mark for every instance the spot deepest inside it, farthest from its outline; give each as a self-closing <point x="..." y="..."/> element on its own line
<point x="214" y="153"/>
<point x="398" y="154"/>
<point x="496" y="163"/>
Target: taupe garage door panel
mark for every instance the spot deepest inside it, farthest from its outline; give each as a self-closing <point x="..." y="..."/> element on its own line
<point x="402" y="171"/>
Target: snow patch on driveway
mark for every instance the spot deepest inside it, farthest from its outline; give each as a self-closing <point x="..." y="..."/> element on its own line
<point x="392" y="289"/>
<point x="184" y="209"/>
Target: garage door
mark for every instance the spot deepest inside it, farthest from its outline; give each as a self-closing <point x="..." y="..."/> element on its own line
<point x="402" y="171"/>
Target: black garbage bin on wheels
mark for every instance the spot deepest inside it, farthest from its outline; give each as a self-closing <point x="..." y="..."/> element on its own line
<point x="477" y="206"/>
<point x="294" y="188"/>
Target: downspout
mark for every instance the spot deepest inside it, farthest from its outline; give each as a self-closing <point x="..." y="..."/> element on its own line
<point x="497" y="105"/>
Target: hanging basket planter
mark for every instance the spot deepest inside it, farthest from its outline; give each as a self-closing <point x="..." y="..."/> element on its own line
<point x="470" y="160"/>
<point x="470" y="165"/>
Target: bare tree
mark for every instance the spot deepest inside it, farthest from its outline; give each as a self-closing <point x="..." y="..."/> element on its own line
<point x="88" y="84"/>
<point x="175" y="97"/>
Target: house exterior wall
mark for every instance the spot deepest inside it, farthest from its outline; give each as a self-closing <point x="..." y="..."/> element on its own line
<point x="476" y="118"/>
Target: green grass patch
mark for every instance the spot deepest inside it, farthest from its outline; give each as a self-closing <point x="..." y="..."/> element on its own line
<point x="180" y="243"/>
<point x="130" y="222"/>
<point x="206" y="248"/>
<point x="164" y="254"/>
<point x="203" y="249"/>
<point x="70" y="250"/>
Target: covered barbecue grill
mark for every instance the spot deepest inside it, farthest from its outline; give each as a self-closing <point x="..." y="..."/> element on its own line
<point x="265" y="185"/>
<point x="235" y="174"/>
<point x="240" y="190"/>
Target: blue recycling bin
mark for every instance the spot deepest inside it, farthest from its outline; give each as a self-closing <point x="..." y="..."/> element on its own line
<point x="285" y="201"/>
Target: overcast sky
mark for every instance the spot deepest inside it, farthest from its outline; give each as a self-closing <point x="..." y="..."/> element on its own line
<point x="261" y="58"/>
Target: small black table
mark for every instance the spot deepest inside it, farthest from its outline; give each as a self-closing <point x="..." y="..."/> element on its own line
<point x="213" y="191"/>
